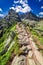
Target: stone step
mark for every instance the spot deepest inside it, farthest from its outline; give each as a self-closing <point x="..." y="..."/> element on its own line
<point x="30" y="59"/>
<point x="31" y="62"/>
<point x="19" y="60"/>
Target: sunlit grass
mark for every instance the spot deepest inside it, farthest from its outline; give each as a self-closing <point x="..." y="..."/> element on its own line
<point x="40" y="38"/>
<point x="5" y="57"/>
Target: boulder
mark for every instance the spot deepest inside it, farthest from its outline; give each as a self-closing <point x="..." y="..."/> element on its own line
<point x="19" y="60"/>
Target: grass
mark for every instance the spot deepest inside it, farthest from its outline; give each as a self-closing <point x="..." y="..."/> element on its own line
<point x="36" y="35"/>
<point x="40" y="38"/>
<point x="39" y="25"/>
<point x="5" y="58"/>
<point x="5" y="35"/>
<point x="15" y="48"/>
<point x="3" y="39"/>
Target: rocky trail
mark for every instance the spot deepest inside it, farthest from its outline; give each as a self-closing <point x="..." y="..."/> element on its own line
<point x="31" y="55"/>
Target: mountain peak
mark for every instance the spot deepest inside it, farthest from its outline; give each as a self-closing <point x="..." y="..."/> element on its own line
<point x="12" y="16"/>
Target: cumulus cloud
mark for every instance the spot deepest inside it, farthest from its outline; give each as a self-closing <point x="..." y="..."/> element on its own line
<point x="16" y="1"/>
<point x="12" y="8"/>
<point x="1" y="15"/>
<point x="41" y="13"/>
<point x="39" y="0"/>
<point x="0" y="9"/>
<point x="41" y="7"/>
<point x="24" y="8"/>
<point x="20" y="1"/>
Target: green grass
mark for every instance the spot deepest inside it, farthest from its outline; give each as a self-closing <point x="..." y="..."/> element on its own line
<point x="39" y="25"/>
<point x="13" y="28"/>
<point x="34" y="33"/>
<point x="5" y="57"/>
<point x="3" y="39"/>
<point x="5" y="35"/>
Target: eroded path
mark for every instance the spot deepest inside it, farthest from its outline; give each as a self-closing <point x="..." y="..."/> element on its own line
<point x="32" y="55"/>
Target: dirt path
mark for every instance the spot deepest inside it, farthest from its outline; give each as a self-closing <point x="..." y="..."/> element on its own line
<point x="33" y="56"/>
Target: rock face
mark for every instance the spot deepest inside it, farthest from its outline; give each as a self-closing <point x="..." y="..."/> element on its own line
<point x="30" y="16"/>
<point x="1" y="31"/>
<point x="12" y="17"/>
<point x="21" y="60"/>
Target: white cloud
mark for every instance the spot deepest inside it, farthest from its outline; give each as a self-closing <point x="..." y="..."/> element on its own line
<point x="41" y="7"/>
<point x="41" y="13"/>
<point x="24" y="8"/>
<point x="20" y="9"/>
<point x="20" y="1"/>
<point x="39" y="0"/>
<point x="12" y="8"/>
<point x="37" y="15"/>
<point x="0" y="9"/>
<point x="23" y="1"/>
<point x="1" y="15"/>
<point x="16" y="1"/>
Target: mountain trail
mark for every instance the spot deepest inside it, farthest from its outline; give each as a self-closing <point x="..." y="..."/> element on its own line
<point x="32" y="55"/>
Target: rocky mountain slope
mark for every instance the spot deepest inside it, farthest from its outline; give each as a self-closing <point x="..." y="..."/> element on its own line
<point x="30" y="16"/>
<point x="11" y="18"/>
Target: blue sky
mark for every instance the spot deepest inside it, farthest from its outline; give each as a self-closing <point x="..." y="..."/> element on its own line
<point x="22" y="6"/>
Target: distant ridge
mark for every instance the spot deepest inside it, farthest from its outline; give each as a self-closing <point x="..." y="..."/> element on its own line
<point x="30" y="16"/>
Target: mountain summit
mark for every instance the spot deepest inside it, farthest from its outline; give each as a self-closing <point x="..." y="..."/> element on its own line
<point x="12" y="17"/>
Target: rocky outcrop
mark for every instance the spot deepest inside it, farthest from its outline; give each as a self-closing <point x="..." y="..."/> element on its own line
<point x="19" y="60"/>
<point x="12" y="17"/>
<point x="30" y="16"/>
